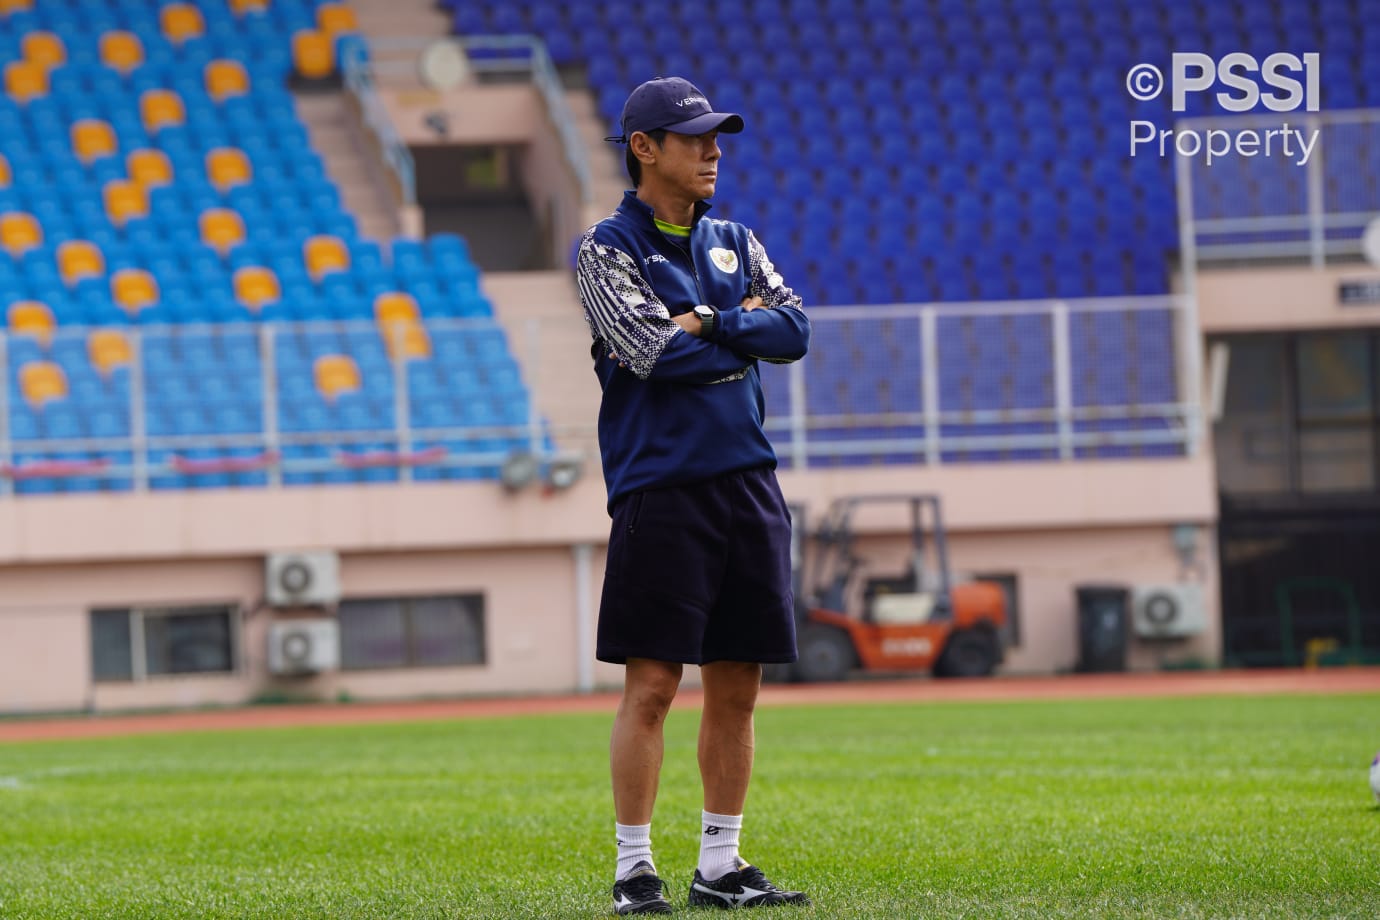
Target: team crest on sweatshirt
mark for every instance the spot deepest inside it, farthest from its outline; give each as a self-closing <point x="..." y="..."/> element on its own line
<point x="725" y="260"/>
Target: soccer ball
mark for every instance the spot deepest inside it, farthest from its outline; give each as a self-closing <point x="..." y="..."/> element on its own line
<point x="1375" y="777"/>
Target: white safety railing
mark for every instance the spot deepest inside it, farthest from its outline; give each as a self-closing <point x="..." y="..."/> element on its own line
<point x="359" y="82"/>
<point x="907" y="383"/>
<point x="1311" y="199"/>
<point x="521" y="56"/>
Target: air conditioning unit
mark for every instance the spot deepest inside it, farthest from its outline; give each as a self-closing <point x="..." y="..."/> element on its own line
<point x="1168" y="611"/>
<point x="304" y="646"/>
<point x="302" y="579"/>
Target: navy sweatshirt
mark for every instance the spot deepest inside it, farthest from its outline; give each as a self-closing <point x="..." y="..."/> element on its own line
<point x="684" y="408"/>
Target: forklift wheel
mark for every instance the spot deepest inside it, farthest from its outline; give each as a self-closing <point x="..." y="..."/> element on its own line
<point x="826" y="654"/>
<point x="778" y="673"/>
<point x="968" y="653"/>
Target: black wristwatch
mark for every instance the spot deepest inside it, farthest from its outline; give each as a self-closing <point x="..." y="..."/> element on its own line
<point x="707" y="316"/>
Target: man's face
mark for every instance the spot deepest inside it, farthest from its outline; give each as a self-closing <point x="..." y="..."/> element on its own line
<point x="690" y="163"/>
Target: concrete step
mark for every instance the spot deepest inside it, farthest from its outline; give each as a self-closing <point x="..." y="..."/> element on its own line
<point x="349" y="163"/>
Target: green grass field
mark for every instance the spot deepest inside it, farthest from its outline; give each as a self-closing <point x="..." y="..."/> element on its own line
<point x="1214" y="807"/>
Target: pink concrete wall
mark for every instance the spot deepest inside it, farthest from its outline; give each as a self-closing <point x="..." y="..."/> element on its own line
<point x="1055" y="525"/>
<point x="1263" y="298"/>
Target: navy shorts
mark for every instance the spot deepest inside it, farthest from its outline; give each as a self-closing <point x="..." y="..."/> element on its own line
<point x="700" y="573"/>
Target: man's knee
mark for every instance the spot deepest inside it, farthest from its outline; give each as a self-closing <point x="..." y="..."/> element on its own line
<point x="649" y="688"/>
<point x="732" y="685"/>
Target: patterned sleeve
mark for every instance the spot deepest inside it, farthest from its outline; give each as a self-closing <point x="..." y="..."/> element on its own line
<point x="766" y="282"/>
<point x="620" y="306"/>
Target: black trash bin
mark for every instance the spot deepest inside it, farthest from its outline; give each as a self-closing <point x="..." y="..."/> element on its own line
<point x="1103" y="614"/>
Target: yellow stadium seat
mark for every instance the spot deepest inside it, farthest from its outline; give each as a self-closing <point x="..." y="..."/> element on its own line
<point x="313" y="54"/>
<point x="121" y="51"/>
<point x="256" y="286"/>
<point x="396" y="307"/>
<point x="19" y="232"/>
<point x="227" y="167"/>
<point x="42" y="382"/>
<point x="92" y="139"/>
<point x="336" y="374"/>
<point x="108" y="349"/>
<point x="124" y="199"/>
<point x="334" y="18"/>
<point x="225" y="79"/>
<point x="6" y="175"/>
<point x="407" y="340"/>
<point x="15" y="6"/>
<point x="25" y="80"/>
<point x="149" y="167"/>
<point x="32" y="318"/>
<point x="133" y="289"/>
<point x="325" y="254"/>
<point x="221" y="228"/>
<point x="78" y="259"/>
<point x="159" y="108"/>
<point x="181" y="21"/>
<point x="44" y="49"/>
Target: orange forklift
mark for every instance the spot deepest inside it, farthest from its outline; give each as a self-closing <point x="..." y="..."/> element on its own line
<point x="919" y="620"/>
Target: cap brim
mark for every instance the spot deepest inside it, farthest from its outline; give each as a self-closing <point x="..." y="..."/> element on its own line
<point x="725" y="122"/>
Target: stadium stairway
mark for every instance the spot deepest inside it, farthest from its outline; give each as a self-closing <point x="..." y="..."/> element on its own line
<point x="335" y="132"/>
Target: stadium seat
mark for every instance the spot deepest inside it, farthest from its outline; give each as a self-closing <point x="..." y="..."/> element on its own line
<point x="180" y="22"/>
<point x="92" y="139"/>
<point x="226" y="78"/>
<point x="256" y="286"/>
<point x="25" y="80"/>
<point x="42" y="382"/>
<point x="406" y="340"/>
<point x="228" y="167"/>
<point x="133" y="289"/>
<point x="78" y="259"/>
<point x="325" y="254"/>
<point x="313" y="54"/>
<point x="392" y="307"/>
<point x="15" y="6"/>
<point x="336" y="18"/>
<point x="19" y="232"/>
<point x="240" y="7"/>
<point x="149" y="167"/>
<point x="124" y="201"/>
<point x="6" y="174"/>
<point x="159" y="108"/>
<point x="221" y="228"/>
<point x="32" y="318"/>
<point x="44" y="49"/>
<point x="334" y="375"/>
<point x="121" y="51"/>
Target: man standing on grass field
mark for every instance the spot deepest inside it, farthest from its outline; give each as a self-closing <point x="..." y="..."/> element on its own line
<point x="681" y="308"/>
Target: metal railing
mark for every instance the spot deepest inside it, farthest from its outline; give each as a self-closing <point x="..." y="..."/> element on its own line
<point x="359" y="82"/>
<point x="1260" y="207"/>
<point x="907" y="383"/>
<point x="261" y="390"/>
<point x="503" y="55"/>
<point x="981" y="382"/>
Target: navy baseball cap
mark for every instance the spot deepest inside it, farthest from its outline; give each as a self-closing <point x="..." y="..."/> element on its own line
<point x="672" y="104"/>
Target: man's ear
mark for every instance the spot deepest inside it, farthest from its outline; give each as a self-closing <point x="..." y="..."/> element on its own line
<point x="643" y="147"/>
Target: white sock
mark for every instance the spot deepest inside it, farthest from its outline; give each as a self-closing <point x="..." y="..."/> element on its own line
<point x="634" y="846"/>
<point x="719" y="845"/>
